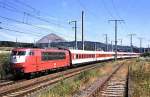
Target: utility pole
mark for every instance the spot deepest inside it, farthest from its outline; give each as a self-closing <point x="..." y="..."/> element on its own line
<point x="0" y="28"/>
<point x="16" y="42"/>
<point x="116" y="23"/>
<point x="95" y="46"/>
<point x="140" y="49"/>
<point x="106" y="41"/>
<point x="112" y="46"/>
<point x="131" y="43"/>
<point x="120" y="42"/>
<point x="49" y="43"/>
<point x="75" y="30"/>
<point x="148" y="48"/>
<point x="82" y="31"/>
<point x="35" y="43"/>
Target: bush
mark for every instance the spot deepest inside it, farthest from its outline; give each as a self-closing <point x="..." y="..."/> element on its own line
<point x="145" y="55"/>
<point x="4" y="65"/>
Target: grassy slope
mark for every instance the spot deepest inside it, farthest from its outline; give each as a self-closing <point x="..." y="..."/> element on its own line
<point x="67" y="88"/>
<point x="140" y="79"/>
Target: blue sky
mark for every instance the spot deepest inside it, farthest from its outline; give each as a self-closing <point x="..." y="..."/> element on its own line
<point x="58" y="13"/>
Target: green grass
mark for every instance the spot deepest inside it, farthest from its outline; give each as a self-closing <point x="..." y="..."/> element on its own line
<point x="66" y="88"/>
<point x="140" y="79"/>
<point x="71" y="86"/>
<point x="4" y="65"/>
<point x="6" y="48"/>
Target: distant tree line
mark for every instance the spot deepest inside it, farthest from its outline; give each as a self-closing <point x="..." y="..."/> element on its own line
<point x="147" y="54"/>
<point x="14" y="44"/>
<point x="89" y="45"/>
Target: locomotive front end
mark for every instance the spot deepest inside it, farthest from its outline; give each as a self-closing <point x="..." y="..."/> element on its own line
<point x="18" y="60"/>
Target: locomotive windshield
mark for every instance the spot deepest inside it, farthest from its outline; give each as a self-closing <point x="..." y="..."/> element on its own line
<point x="19" y="53"/>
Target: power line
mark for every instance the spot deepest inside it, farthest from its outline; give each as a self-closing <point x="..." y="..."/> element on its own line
<point x="87" y="10"/>
<point x="115" y="9"/>
<point x="29" y="24"/>
<point x="40" y="12"/>
<point x="33" y="16"/>
<point x="105" y="7"/>
<point x="22" y="3"/>
<point x="16" y="7"/>
<point x="37" y="33"/>
<point x="9" y="8"/>
<point x="18" y="31"/>
<point x="36" y="10"/>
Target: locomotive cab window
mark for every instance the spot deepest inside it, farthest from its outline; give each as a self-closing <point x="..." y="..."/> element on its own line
<point x="31" y="53"/>
<point x="46" y="56"/>
<point x="18" y="53"/>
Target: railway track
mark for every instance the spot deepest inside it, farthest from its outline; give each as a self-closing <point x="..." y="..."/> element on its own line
<point x="27" y="87"/>
<point x="6" y="82"/>
<point x="113" y="85"/>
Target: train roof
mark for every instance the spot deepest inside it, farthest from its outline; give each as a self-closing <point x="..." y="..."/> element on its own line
<point x="72" y="51"/>
<point x="45" y="49"/>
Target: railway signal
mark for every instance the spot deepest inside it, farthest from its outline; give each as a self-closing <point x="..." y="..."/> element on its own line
<point x="116" y="23"/>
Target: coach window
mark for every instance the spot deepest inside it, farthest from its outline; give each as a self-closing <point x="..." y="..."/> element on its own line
<point x="77" y="56"/>
<point x="82" y="55"/>
<point x="53" y="56"/>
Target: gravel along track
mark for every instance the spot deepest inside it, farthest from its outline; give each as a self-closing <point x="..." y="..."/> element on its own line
<point x="113" y="85"/>
<point x="27" y="87"/>
<point x="116" y="86"/>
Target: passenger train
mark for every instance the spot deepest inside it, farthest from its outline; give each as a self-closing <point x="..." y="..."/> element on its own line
<point x="33" y="60"/>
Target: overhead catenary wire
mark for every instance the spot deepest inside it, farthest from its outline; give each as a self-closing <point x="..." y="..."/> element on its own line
<point x="16" y="10"/>
<point x="6" y="3"/>
<point x="13" y="26"/>
<point x="105" y="7"/>
<point x="116" y="10"/>
<point x="28" y="6"/>
<point x="29" y="24"/>
<point x="33" y="16"/>
<point x="32" y="25"/>
<point x="87" y="10"/>
<point x="17" y="31"/>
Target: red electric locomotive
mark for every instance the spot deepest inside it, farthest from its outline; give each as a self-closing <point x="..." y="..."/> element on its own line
<point x="27" y="61"/>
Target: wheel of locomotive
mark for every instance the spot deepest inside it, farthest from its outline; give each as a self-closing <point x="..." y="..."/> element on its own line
<point x="29" y="75"/>
<point x="18" y="75"/>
